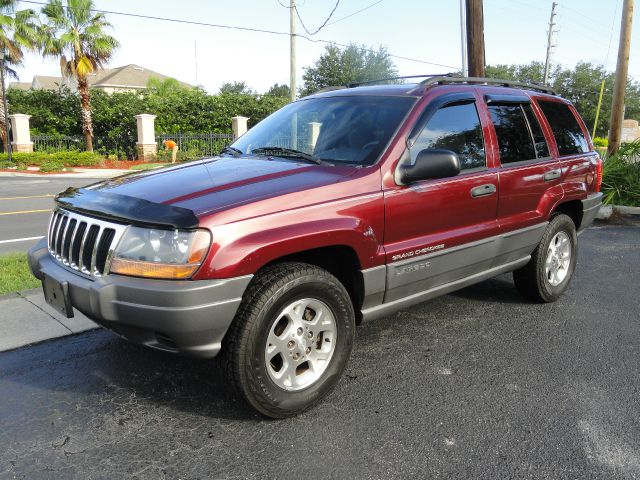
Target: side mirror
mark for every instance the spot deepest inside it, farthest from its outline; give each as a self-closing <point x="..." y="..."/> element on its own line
<point x="430" y="163"/>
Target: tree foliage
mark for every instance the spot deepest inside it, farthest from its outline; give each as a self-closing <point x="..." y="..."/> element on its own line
<point x="77" y="36"/>
<point x="342" y="66"/>
<point x="18" y="32"/>
<point x="580" y="85"/>
<point x="278" y="90"/>
<point x="236" y="87"/>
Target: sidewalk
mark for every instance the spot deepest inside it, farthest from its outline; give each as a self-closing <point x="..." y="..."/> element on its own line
<point x="25" y="318"/>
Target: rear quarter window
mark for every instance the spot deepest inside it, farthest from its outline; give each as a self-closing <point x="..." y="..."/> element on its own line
<point x="566" y="129"/>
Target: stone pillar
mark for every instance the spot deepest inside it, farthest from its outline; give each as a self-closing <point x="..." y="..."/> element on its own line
<point x="21" y="134"/>
<point x="630" y="131"/>
<point x="314" y="132"/>
<point x="146" y="145"/>
<point x="239" y="125"/>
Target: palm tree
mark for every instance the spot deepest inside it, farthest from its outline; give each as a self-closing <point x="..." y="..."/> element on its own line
<point x="18" y="32"/>
<point x="77" y="36"/>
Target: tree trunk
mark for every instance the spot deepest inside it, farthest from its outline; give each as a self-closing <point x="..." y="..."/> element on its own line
<point x="3" y="126"/>
<point x="85" y="105"/>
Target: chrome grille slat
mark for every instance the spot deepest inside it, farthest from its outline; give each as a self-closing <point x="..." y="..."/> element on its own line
<point x="94" y="252"/>
<point x="81" y="243"/>
<point x="66" y="241"/>
<point x="60" y="237"/>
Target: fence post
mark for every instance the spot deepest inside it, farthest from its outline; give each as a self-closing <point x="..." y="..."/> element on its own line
<point x="21" y="134"/>
<point x="239" y="126"/>
<point x="146" y="146"/>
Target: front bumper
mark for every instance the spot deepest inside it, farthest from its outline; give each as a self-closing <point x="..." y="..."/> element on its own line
<point x="590" y="207"/>
<point x="186" y="317"/>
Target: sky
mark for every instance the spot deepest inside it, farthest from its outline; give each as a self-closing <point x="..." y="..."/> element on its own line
<point x="425" y="30"/>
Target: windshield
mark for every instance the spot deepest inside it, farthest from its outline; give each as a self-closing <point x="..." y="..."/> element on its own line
<point x="333" y="129"/>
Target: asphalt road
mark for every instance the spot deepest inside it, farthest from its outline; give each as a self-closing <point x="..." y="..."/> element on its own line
<point x="477" y="384"/>
<point x="25" y="208"/>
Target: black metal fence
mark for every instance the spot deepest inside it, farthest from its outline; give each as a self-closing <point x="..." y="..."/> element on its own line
<point x="57" y="143"/>
<point x="122" y="147"/>
<point x="194" y="145"/>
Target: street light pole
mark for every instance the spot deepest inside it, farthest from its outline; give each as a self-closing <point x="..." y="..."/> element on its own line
<point x="7" y="145"/>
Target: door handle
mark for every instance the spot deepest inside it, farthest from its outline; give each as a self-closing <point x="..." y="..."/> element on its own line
<point x="483" y="190"/>
<point x="552" y="175"/>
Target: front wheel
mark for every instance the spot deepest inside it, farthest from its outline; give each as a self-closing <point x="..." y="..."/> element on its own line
<point x="291" y="339"/>
<point x="548" y="273"/>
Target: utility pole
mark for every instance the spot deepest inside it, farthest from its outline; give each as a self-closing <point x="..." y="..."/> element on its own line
<point x="475" y="38"/>
<point x="547" y="62"/>
<point x="622" y="69"/>
<point x="463" y="37"/>
<point x="292" y="26"/>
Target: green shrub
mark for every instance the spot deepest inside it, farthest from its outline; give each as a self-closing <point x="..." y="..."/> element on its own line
<point x="67" y="159"/>
<point x="51" y="166"/>
<point x="621" y="176"/>
<point x="600" y="142"/>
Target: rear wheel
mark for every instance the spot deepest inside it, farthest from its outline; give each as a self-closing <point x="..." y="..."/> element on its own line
<point x="291" y="339"/>
<point x="548" y="273"/>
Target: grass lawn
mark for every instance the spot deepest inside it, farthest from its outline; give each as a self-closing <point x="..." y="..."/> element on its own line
<point x="149" y="166"/>
<point x="15" y="274"/>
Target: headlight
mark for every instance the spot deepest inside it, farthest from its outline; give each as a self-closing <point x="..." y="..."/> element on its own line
<point x="152" y="253"/>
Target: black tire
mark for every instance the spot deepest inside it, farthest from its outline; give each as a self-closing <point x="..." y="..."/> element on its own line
<point x="243" y="349"/>
<point x="531" y="281"/>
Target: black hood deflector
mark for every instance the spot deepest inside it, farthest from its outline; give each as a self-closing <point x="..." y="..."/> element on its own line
<point x="126" y="209"/>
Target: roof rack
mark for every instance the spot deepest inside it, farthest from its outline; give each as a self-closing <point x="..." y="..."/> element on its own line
<point x="405" y="77"/>
<point x="443" y="79"/>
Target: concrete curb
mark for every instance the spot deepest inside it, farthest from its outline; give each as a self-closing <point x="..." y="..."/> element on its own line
<point x="606" y="211"/>
<point x="26" y="319"/>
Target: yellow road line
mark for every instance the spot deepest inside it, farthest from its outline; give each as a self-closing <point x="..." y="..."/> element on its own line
<point x="25" y="211"/>
<point x="30" y="196"/>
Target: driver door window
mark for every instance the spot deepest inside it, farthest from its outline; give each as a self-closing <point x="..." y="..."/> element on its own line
<point x="457" y="128"/>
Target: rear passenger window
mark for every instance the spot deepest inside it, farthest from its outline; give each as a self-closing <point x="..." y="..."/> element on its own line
<point x="456" y="128"/>
<point x="514" y="138"/>
<point x="565" y="127"/>
<point x="540" y="143"/>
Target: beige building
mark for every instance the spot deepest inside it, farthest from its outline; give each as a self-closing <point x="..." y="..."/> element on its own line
<point x="128" y="78"/>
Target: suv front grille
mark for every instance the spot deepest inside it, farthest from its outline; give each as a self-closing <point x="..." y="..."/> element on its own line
<point x="83" y="243"/>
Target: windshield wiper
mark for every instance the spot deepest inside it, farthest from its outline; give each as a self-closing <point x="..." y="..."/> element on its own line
<point x="232" y="151"/>
<point x="287" y="152"/>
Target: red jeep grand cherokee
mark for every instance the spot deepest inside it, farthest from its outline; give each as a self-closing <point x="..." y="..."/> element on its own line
<point x="344" y="206"/>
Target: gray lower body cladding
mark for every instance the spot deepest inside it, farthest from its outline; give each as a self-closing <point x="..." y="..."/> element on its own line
<point x="590" y="207"/>
<point x="418" y="279"/>
<point x="186" y="317"/>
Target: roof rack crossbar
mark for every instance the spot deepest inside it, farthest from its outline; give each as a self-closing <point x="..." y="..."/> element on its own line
<point x="436" y="80"/>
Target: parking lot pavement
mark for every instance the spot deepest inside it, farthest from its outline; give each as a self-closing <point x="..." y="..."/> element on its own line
<point x="477" y="384"/>
<point x="25" y="208"/>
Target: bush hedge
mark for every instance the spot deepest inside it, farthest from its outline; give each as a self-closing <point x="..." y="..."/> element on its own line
<point x="40" y="159"/>
<point x="621" y="176"/>
<point x="181" y="110"/>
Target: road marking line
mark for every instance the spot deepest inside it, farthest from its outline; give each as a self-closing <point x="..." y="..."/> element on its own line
<point x="28" y="196"/>
<point x="25" y="211"/>
<point x="14" y="240"/>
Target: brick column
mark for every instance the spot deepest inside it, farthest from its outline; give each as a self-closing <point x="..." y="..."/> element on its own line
<point x="146" y="145"/>
<point x="21" y="134"/>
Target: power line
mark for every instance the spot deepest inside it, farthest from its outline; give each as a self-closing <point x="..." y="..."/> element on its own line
<point x="355" y="13"/>
<point x="323" y="24"/>
<point x="237" y="27"/>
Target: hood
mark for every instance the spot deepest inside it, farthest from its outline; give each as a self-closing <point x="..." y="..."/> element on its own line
<point x="206" y="186"/>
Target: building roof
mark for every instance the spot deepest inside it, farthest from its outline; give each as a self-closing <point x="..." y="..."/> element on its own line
<point x="128" y="76"/>
<point x="20" y="85"/>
